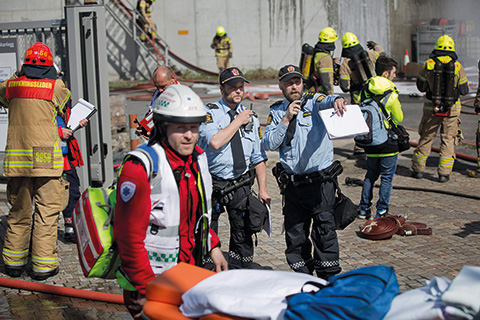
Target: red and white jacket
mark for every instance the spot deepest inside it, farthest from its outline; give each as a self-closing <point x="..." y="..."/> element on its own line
<point x="156" y="219"/>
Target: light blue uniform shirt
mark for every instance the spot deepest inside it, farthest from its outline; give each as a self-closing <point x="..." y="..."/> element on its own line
<point x="220" y="161"/>
<point x="311" y="150"/>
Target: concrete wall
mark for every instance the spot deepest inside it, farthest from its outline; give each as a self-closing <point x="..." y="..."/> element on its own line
<point x="30" y="10"/>
<point x="265" y="33"/>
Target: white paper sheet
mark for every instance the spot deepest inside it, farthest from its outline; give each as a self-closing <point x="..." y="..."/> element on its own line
<point x="348" y="125"/>
<point x="267" y="226"/>
<point x="81" y="110"/>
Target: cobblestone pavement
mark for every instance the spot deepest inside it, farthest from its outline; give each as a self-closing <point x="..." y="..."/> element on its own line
<point x="455" y="242"/>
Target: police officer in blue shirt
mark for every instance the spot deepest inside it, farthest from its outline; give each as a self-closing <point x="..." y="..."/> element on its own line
<point x="231" y="138"/>
<point x="294" y="127"/>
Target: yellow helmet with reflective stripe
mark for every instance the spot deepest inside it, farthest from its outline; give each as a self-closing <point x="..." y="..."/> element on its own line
<point x="220" y="31"/>
<point x="445" y="43"/>
<point x="327" y="35"/>
<point x="349" y="40"/>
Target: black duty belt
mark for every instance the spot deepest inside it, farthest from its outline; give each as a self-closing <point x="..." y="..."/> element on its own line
<point x="329" y="173"/>
<point x="314" y="177"/>
<point x="230" y="185"/>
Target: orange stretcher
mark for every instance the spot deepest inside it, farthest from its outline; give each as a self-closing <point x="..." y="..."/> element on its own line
<point x="164" y="293"/>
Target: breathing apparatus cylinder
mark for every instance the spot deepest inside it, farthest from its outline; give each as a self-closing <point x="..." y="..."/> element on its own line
<point x="367" y="64"/>
<point x="306" y="60"/>
<point x="437" y="84"/>
<point x="362" y="76"/>
<point x="449" y="74"/>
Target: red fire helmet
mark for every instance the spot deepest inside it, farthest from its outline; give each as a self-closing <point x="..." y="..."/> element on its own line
<point x="39" y="54"/>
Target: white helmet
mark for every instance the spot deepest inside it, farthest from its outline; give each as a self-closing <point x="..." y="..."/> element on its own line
<point x="178" y="103"/>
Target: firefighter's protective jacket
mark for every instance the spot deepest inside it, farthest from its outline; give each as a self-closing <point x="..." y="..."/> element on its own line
<point x="323" y="72"/>
<point x="425" y="82"/>
<point x="33" y="144"/>
<point x="223" y="46"/>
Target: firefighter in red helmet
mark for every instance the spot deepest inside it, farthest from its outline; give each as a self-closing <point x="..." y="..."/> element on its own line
<point x="33" y="164"/>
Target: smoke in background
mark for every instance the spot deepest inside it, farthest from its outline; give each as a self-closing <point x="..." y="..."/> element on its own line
<point x="466" y="15"/>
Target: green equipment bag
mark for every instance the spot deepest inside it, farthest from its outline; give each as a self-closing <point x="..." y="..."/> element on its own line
<point x="92" y="220"/>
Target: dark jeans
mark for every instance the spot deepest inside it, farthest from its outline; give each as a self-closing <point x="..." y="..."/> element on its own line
<point x="376" y="167"/>
<point x="74" y="195"/>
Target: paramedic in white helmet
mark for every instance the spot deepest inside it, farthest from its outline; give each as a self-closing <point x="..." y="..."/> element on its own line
<point x="163" y="206"/>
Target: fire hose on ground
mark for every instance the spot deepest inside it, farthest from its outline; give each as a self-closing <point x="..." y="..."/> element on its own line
<point x="358" y="182"/>
<point x="62" y="291"/>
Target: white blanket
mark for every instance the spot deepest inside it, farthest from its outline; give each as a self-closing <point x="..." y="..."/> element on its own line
<point x="255" y="294"/>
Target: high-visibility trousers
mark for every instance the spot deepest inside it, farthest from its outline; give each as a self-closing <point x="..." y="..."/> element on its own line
<point x="49" y="196"/>
<point x="427" y="129"/>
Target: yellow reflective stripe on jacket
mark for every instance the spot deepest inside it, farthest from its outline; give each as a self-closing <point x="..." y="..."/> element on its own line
<point x="25" y="158"/>
<point x="381" y="155"/>
<point x="325" y="70"/>
<point x="345" y="77"/>
<point x="62" y="104"/>
<point x="428" y="105"/>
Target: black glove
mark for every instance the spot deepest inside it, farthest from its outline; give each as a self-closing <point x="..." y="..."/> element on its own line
<point x="371" y="45"/>
<point x="477" y="109"/>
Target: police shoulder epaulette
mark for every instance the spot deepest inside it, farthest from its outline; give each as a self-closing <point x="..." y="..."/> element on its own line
<point x="212" y="106"/>
<point x="276" y="103"/>
<point x="254" y="114"/>
<point x="320" y="98"/>
<point x="309" y="95"/>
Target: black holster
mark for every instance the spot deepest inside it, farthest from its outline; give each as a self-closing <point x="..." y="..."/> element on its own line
<point x="281" y="177"/>
<point x="223" y="190"/>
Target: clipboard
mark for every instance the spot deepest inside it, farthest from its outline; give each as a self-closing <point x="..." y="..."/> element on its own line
<point x="348" y="125"/>
<point x="81" y="110"/>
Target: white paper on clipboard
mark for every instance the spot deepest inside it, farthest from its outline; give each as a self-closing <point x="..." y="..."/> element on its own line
<point x="81" y="110"/>
<point x="348" y="125"/>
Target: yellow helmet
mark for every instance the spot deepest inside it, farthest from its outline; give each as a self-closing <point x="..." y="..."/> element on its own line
<point x="349" y="40"/>
<point x="220" y="31"/>
<point x="445" y="43"/>
<point x="327" y="35"/>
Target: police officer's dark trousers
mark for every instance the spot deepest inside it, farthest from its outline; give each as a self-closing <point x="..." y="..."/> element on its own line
<point x="240" y="253"/>
<point x="311" y="205"/>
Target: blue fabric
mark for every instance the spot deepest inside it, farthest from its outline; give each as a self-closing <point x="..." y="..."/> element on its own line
<point x="152" y="154"/>
<point x="385" y="168"/>
<point x="375" y="120"/>
<point x="311" y="150"/>
<point x="364" y="293"/>
<point x="63" y="144"/>
<point x="220" y="161"/>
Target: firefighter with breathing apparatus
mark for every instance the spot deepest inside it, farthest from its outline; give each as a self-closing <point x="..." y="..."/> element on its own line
<point x="223" y="46"/>
<point x="358" y="66"/>
<point x="319" y="68"/>
<point x="443" y="80"/>
<point x="355" y="70"/>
